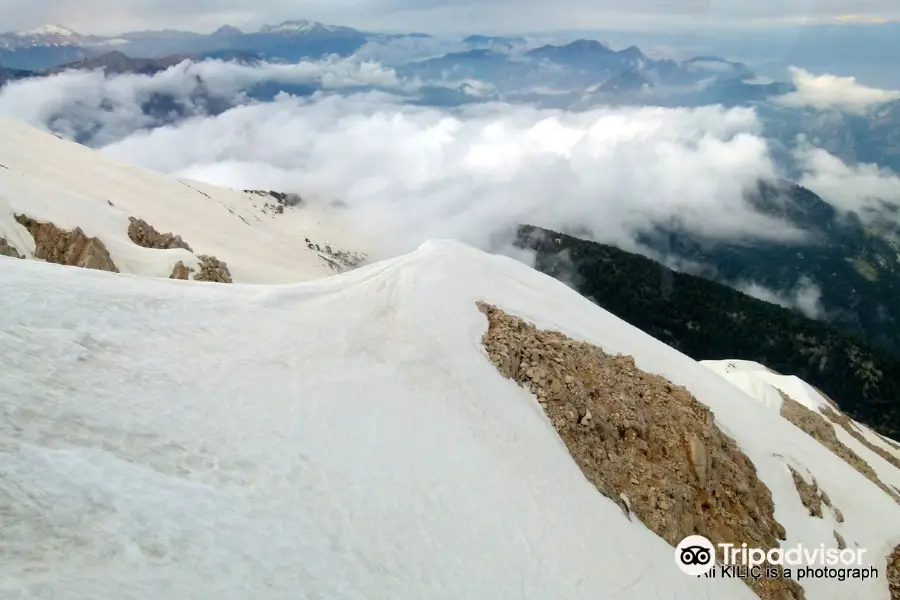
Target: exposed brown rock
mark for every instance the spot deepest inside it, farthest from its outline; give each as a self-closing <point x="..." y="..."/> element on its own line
<point x="815" y="425"/>
<point x="143" y="234"/>
<point x="841" y="544"/>
<point x="181" y="271"/>
<point x="844" y="421"/>
<point x="809" y="493"/>
<point x="643" y="442"/>
<point x="7" y="250"/>
<point x="888" y="441"/>
<point x="212" y="269"/>
<point x="72" y="248"/>
<point x="893" y="573"/>
<point x="838" y="515"/>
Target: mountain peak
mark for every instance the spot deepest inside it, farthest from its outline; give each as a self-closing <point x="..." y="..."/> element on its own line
<point x="295" y="26"/>
<point x="632" y="52"/>
<point x="227" y="30"/>
<point x="587" y="46"/>
<point x="46" y="31"/>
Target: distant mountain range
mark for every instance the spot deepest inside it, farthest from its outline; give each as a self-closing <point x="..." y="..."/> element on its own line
<point x="53" y="45"/>
<point x="583" y="71"/>
<point x="576" y="75"/>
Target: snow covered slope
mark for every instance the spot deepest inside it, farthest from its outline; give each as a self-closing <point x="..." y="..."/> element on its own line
<point x="767" y="387"/>
<point x="52" y="180"/>
<point x="342" y="438"/>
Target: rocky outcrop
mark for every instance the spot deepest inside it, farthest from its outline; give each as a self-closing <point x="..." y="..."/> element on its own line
<point x="893" y="573"/>
<point x="145" y="235"/>
<point x="73" y="248"/>
<point x="338" y="260"/>
<point x="643" y="442"/>
<point x="841" y="544"/>
<point x="836" y="416"/>
<point x="181" y="271"/>
<point x="889" y="442"/>
<point x="810" y="494"/>
<point x="7" y="250"/>
<point x="817" y="427"/>
<point x="212" y="269"/>
<point x="281" y="198"/>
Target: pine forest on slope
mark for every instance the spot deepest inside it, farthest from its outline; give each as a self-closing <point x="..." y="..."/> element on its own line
<point x="707" y="320"/>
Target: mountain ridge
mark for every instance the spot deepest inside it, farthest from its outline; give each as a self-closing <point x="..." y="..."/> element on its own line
<point x="220" y="434"/>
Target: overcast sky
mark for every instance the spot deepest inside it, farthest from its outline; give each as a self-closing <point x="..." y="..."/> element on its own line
<point x="113" y="16"/>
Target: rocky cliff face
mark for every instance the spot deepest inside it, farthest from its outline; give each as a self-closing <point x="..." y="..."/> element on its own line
<point x="893" y="573"/>
<point x="145" y="235"/>
<point x="181" y="271"/>
<point x="643" y="442"/>
<point x="73" y="248"/>
<point x="213" y="269"/>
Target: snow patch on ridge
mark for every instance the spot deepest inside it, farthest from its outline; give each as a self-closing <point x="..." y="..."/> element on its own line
<point x="72" y="186"/>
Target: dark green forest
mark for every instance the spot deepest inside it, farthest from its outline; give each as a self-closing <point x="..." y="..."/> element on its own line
<point x="707" y="320"/>
<point x="856" y="266"/>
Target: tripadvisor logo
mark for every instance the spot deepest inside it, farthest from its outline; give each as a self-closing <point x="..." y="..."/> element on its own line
<point x="696" y="555"/>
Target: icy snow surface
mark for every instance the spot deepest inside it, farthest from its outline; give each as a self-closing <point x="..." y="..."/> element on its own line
<point x="343" y="438"/>
<point x="338" y="439"/>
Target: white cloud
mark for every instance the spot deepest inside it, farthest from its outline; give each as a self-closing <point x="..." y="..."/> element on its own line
<point x="805" y="296"/>
<point x="865" y="189"/>
<point x="410" y="173"/>
<point x="110" y="108"/>
<point x="831" y="92"/>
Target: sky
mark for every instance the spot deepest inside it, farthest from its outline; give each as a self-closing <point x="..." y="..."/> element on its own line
<point x="114" y="16"/>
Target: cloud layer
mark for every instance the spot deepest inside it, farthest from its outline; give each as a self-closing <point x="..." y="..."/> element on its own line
<point x="410" y="173"/>
<point x="805" y="296"/>
<point x="824" y="92"/>
<point x="78" y="103"/>
<point x="871" y="192"/>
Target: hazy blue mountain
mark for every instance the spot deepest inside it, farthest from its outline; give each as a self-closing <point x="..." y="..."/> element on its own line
<point x="488" y="41"/>
<point x="870" y="138"/>
<point x="52" y="46"/>
<point x="13" y="74"/>
<point x="116" y="63"/>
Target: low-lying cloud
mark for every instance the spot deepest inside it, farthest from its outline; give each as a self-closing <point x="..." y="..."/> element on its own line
<point x="872" y="192"/>
<point x="96" y="109"/>
<point x="410" y="173"/>
<point x="805" y="296"/>
<point x="831" y="92"/>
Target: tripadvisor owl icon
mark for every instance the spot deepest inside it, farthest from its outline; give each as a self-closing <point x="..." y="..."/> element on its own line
<point x="695" y="555"/>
